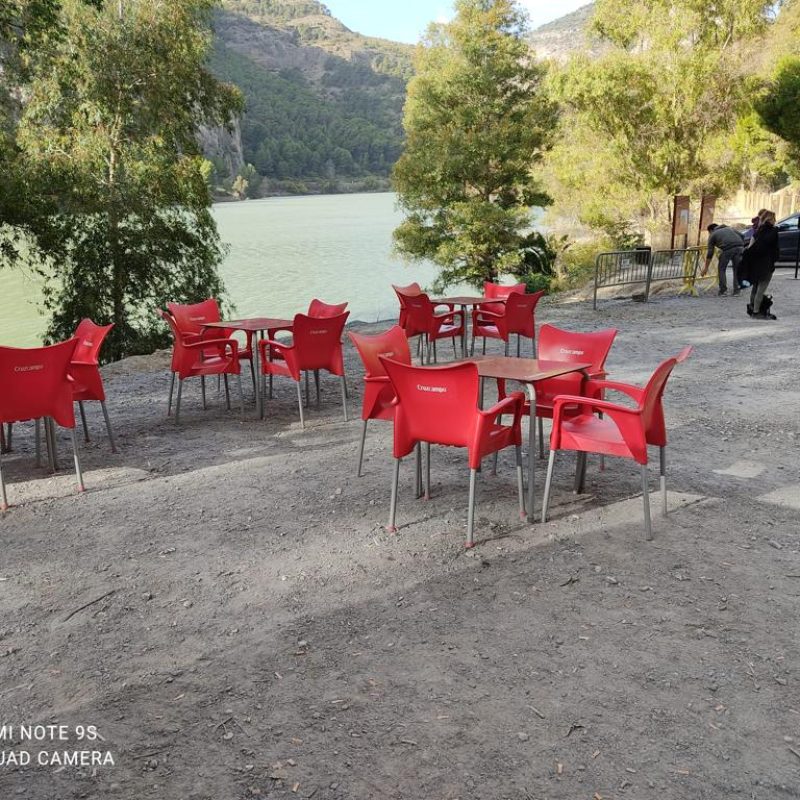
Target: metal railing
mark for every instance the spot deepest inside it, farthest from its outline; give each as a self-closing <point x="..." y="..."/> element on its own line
<point x="626" y="267"/>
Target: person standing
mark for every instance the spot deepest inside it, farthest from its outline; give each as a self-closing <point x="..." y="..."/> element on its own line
<point x="731" y="246"/>
<point x="761" y="257"/>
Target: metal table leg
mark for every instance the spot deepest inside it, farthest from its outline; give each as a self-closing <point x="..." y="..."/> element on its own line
<point x="531" y="452"/>
<point x="464" y="332"/>
<point x="257" y="368"/>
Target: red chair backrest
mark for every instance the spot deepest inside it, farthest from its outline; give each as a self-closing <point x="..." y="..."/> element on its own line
<point x="320" y="310"/>
<point x="650" y="406"/>
<point x="391" y="344"/>
<point x="435" y="404"/>
<point x="36" y="384"/>
<point x="419" y="311"/>
<point x="402" y="291"/>
<point x="90" y="339"/>
<point x="519" y="309"/>
<point x="190" y="319"/>
<point x="492" y="290"/>
<point x="318" y="342"/>
<point x="557" y="344"/>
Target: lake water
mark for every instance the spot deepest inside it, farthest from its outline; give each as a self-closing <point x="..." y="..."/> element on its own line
<point x="283" y="252"/>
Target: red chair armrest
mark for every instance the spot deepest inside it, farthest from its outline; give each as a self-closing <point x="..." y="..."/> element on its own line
<point x="594" y="388"/>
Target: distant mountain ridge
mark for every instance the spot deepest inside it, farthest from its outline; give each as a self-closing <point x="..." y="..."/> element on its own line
<point x="324" y="104"/>
<point x="566" y="35"/>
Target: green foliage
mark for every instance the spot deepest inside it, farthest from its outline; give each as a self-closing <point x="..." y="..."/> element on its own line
<point x="779" y="105"/>
<point x="477" y="123"/>
<point x="108" y="138"/>
<point x="289" y="131"/>
<point x="654" y="116"/>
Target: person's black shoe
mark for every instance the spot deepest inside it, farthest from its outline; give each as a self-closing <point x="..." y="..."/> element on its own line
<point x="722" y="292"/>
<point x="749" y="309"/>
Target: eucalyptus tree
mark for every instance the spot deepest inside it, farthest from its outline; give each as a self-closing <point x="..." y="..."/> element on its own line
<point x="108" y="137"/>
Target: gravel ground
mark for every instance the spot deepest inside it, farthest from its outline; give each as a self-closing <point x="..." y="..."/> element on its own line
<point x="259" y="635"/>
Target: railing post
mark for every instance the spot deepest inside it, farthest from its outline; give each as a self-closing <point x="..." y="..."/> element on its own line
<point x="649" y="275"/>
<point x="596" y="279"/>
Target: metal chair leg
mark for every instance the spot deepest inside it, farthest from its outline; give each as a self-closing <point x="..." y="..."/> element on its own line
<point x="361" y="448"/>
<point x="418" y="469"/>
<point x="203" y="390"/>
<point x="227" y="392"/>
<point x="300" y="405"/>
<point x="37" y="435"/>
<point x="473" y="474"/>
<point x="494" y="461"/>
<point x="178" y="401"/>
<point x="316" y="384"/>
<point x="663" y="472"/>
<point x="520" y="483"/>
<point x="434" y="351"/>
<point x="76" y="457"/>
<point x="270" y="386"/>
<point x="53" y="449"/>
<point x="455" y="351"/>
<point x="484" y="345"/>
<point x="3" y="495"/>
<point x="580" y="472"/>
<point x="541" y="438"/>
<point x="108" y="426"/>
<point x="308" y="391"/>
<point x="427" y="470"/>
<point x="253" y="373"/>
<point x="83" y="421"/>
<point x="391" y="527"/>
<point x="505" y="349"/>
<point x="171" y="390"/>
<point x="241" y="393"/>
<point x="472" y="345"/>
<point x="344" y="398"/>
<point x="648" y="527"/>
<point x="547" y="484"/>
<point x="518" y="345"/>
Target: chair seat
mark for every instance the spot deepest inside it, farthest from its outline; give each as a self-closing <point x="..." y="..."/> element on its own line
<point x="212" y="366"/>
<point x="449" y="331"/>
<point x="489" y="331"/>
<point x="277" y="366"/>
<point x="590" y="434"/>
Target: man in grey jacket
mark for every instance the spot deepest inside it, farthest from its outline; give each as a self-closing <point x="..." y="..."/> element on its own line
<point x="731" y="247"/>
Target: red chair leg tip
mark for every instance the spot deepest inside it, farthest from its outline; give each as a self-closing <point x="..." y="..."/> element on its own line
<point x="469" y="545"/>
<point x="391" y="529"/>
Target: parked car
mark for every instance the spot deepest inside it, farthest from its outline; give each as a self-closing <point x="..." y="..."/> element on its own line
<point x="788" y="234"/>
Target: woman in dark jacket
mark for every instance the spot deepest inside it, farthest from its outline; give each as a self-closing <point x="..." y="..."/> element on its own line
<point x="761" y="257"/>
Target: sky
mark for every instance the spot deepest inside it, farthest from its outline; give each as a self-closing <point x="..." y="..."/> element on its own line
<point x="405" y="21"/>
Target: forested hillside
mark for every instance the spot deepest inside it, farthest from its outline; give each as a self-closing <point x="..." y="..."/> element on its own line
<point x="323" y="104"/>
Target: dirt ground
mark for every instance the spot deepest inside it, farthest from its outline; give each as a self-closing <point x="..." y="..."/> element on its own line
<point x="261" y="636"/>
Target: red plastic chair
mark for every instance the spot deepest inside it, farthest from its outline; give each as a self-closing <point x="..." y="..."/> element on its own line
<point x="402" y="292"/>
<point x="439" y="405"/>
<point x="316" y="345"/>
<point x="423" y="320"/>
<point x="320" y="310"/>
<point x="379" y="393"/>
<point x="517" y="317"/>
<point x="622" y="431"/>
<point x="84" y="370"/>
<point x="200" y="358"/>
<point x="557" y="344"/>
<point x="191" y="320"/>
<point x="36" y="384"/>
<point x="491" y="290"/>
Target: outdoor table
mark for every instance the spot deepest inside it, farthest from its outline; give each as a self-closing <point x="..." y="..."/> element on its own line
<point x="254" y="325"/>
<point x="527" y="371"/>
<point x="465" y="302"/>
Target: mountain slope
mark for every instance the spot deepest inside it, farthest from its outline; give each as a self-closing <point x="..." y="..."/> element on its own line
<point x="322" y="103"/>
<point x="566" y="35"/>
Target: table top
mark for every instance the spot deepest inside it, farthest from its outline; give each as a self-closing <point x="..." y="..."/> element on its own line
<point x="466" y="300"/>
<point x="524" y="370"/>
<point x="252" y="324"/>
